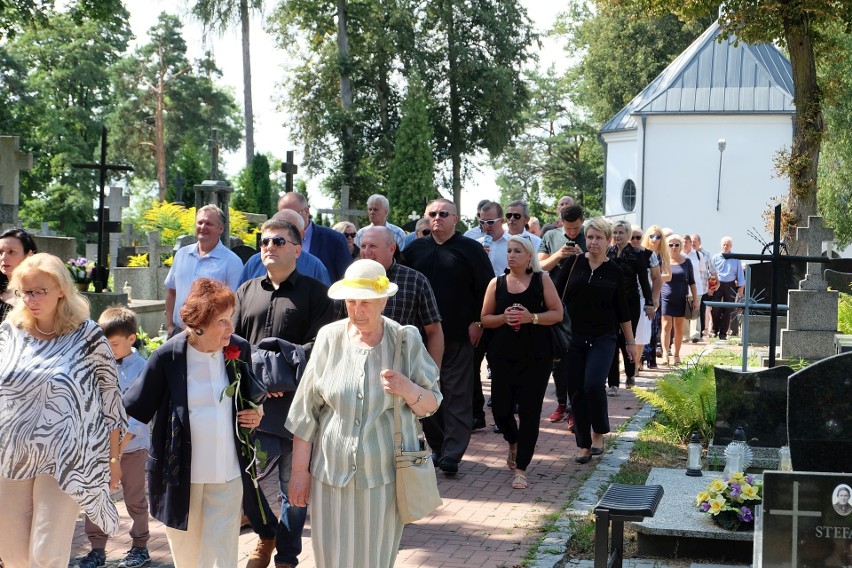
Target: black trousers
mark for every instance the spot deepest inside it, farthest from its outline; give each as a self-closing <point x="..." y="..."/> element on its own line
<point x="448" y="430"/>
<point x="727" y="292"/>
<point x="590" y="360"/>
<point x="634" y="307"/>
<point x="529" y="395"/>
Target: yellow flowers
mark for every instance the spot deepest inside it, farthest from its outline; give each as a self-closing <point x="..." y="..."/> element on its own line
<point x="750" y="492"/>
<point x="737" y="493"/>
<point x="717" y="504"/>
<point x="717" y="485"/>
<point x="381" y="283"/>
<point x="703" y="496"/>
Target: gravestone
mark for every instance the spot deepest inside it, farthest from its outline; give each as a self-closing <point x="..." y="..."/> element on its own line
<point x="803" y="522"/>
<point x="840" y="281"/>
<point x="116" y="202"/>
<point x="12" y="161"/>
<point x="812" y="309"/>
<point x="819" y="415"/>
<point x="344" y="213"/>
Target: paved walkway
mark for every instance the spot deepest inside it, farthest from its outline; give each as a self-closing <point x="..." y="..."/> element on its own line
<point x="483" y="521"/>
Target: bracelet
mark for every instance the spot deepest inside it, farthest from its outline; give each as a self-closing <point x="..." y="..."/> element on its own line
<point x="419" y="398"/>
<point x="115" y="459"/>
<point x="535" y="319"/>
<point x="630" y="343"/>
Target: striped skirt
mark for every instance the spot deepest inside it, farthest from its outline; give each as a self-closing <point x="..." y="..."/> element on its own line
<point x="354" y="528"/>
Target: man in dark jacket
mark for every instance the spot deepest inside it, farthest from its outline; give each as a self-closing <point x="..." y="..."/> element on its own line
<point x="324" y="243"/>
<point x="459" y="271"/>
<point x="292" y="307"/>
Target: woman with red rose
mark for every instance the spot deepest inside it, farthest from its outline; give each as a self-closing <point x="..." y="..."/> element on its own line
<point x="198" y="385"/>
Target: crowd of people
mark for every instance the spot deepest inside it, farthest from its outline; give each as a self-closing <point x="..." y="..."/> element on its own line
<point x="299" y="355"/>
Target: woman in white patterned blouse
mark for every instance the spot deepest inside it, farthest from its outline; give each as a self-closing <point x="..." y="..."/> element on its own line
<point x="344" y="407"/>
<point x="61" y="418"/>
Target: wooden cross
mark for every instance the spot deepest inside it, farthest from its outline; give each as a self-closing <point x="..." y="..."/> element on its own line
<point x="290" y="169"/>
<point x="344" y="212"/>
<point x="102" y="225"/>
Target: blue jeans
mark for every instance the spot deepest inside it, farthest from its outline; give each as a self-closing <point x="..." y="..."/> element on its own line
<point x="287" y="532"/>
<point x="589" y="361"/>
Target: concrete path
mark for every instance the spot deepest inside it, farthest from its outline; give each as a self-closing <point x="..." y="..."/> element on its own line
<point x="483" y="521"/>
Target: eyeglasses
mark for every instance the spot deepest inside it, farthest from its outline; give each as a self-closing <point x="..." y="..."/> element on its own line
<point x="513" y="215"/>
<point x="350" y="235"/>
<point x="489" y="222"/>
<point x="36" y="294"/>
<point x="655" y="237"/>
<point x="441" y="214"/>
<point x="276" y="241"/>
<point x="674" y="245"/>
<point x="636" y="238"/>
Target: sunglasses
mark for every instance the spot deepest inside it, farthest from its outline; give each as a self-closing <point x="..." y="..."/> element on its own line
<point x="674" y="245"/>
<point x="276" y="241"/>
<point x="441" y="214"/>
<point x="655" y="237"/>
<point x="636" y="238"/>
<point x="489" y="222"/>
<point x="350" y="235"/>
<point x="513" y="215"/>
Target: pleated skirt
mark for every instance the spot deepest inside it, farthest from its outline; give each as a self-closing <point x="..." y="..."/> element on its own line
<point x="354" y="528"/>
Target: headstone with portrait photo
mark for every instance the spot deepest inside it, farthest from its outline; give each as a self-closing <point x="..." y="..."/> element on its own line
<point x="805" y="520"/>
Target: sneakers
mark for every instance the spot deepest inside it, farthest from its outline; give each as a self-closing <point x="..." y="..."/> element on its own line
<point x="95" y="559"/>
<point x="559" y="414"/>
<point x="136" y="556"/>
<point x="630" y="382"/>
<point x="612" y="391"/>
<point x="569" y="422"/>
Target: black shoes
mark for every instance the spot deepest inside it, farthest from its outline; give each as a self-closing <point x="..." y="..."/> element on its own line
<point x="450" y="466"/>
<point x="436" y="459"/>
<point x="479" y="423"/>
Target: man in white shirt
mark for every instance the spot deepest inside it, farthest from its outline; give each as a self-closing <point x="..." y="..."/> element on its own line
<point x="517" y="217"/>
<point x="378" y="209"/>
<point x="491" y="223"/>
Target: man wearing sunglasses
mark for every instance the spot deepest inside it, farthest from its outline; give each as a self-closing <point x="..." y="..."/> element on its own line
<point x="286" y="305"/>
<point x="306" y="263"/>
<point x="378" y="209"/>
<point x="459" y="271"/>
<point x="517" y="218"/>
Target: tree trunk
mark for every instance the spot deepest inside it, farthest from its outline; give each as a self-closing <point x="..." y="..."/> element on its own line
<point x="345" y="93"/>
<point x="160" y="129"/>
<point x="807" y="137"/>
<point x="247" y="104"/>
<point x="455" y="104"/>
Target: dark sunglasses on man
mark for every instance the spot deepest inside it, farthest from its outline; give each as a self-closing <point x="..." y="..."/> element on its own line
<point x="513" y="215"/>
<point x="276" y="241"/>
<point x="441" y="214"/>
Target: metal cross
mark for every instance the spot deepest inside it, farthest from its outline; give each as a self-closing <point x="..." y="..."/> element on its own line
<point x="290" y="169"/>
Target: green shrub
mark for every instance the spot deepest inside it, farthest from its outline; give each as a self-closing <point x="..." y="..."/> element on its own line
<point x="686" y="398"/>
<point x="844" y="313"/>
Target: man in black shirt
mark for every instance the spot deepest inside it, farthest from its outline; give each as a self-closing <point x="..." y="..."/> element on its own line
<point x="293" y="307"/>
<point x="459" y="271"/>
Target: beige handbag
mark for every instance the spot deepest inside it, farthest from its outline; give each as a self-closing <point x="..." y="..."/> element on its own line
<point x="416" y="485"/>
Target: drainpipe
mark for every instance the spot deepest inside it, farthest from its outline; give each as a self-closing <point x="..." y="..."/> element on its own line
<point x="642" y="177"/>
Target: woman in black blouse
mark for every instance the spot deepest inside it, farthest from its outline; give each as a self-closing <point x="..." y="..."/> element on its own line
<point x="15" y="246"/>
<point x="597" y="303"/>
<point x="634" y="266"/>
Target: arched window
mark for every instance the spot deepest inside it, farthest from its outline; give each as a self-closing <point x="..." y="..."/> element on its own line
<point x="628" y="195"/>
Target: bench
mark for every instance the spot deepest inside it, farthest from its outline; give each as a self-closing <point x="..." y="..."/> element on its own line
<point x="621" y="503"/>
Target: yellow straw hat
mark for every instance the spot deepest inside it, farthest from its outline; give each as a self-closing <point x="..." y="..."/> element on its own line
<point x="364" y="280"/>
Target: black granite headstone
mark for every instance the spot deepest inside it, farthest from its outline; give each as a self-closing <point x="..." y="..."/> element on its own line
<point x="806" y="521"/>
<point x="755" y="401"/>
<point x="819" y="415"/>
<point x="840" y="281"/>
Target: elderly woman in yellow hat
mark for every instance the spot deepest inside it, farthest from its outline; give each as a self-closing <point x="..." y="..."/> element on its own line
<point x="344" y="407"/>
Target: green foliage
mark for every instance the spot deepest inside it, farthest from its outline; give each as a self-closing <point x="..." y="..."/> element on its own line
<point x="844" y="314"/>
<point x="18" y="15"/>
<point x="254" y="192"/>
<point x="686" y="398"/>
<point x="189" y="165"/>
<point x="411" y="183"/>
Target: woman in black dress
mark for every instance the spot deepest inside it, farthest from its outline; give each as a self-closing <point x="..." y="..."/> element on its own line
<point x="597" y="304"/>
<point x="519" y="306"/>
<point x="674" y="297"/>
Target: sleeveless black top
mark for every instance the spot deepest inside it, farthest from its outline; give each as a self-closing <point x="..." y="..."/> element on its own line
<point x="530" y="341"/>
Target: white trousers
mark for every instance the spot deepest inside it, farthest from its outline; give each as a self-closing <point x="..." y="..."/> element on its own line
<point x="213" y="527"/>
<point x="37" y="523"/>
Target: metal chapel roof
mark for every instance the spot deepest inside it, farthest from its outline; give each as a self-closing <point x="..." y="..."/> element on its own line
<point x="710" y="77"/>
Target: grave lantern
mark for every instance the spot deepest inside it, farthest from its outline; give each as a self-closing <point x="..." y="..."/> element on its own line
<point x="693" y="461"/>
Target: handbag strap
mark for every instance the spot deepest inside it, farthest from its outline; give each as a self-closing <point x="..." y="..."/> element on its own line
<point x="397" y="400"/>
<point x="568" y="280"/>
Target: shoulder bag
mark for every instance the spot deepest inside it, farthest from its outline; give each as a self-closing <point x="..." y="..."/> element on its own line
<point x="416" y="485"/>
<point x="560" y="333"/>
<point x="688" y="312"/>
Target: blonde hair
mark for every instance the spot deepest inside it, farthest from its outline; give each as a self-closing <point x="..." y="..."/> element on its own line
<point x="665" y="261"/>
<point x="343" y="225"/>
<point x="601" y="224"/>
<point x="72" y="309"/>
<point x="527" y="244"/>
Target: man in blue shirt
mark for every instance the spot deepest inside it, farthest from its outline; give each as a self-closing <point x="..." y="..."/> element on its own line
<point x="731" y="285"/>
<point x="207" y="258"/>
<point x="326" y="244"/>
<point x="306" y="263"/>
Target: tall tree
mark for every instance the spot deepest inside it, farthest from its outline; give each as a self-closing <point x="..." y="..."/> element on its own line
<point x="19" y="15"/>
<point x="798" y="25"/>
<point x="411" y="183"/>
<point x="471" y="54"/>
<point x="169" y="100"/>
<point x="220" y="15"/>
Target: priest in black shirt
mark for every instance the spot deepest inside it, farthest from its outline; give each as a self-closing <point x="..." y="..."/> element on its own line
<point x="459" y="271"/>
<point x="290" y="306"/>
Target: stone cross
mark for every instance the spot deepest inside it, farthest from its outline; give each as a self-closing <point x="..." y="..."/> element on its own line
<point x="45" y="230"/>
<point x="290" y="169"/>
<point x="12" y="161"/>
<point x="116" y="202"/>
<point x="344" y="212"/>
<point x="815" y="235"/>
<point x="795" y="513"/>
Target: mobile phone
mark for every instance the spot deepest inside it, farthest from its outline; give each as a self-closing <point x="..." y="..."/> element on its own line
<point x="570" y="243"/>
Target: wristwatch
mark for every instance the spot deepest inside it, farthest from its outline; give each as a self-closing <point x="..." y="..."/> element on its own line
<point x="535" y="319"/>
<point x="115" y="459"/>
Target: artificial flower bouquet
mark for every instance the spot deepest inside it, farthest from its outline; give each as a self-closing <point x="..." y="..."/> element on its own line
<point x="730" y="500"/>
<point x="82" y="271"/>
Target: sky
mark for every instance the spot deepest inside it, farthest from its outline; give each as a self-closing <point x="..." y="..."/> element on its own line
<point x="271" y="134"/>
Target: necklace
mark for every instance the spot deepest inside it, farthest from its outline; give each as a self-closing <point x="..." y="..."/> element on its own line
<point x="52" y="332"/>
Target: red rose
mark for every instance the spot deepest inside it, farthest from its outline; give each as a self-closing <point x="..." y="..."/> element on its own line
<point x="232" y="352"/>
